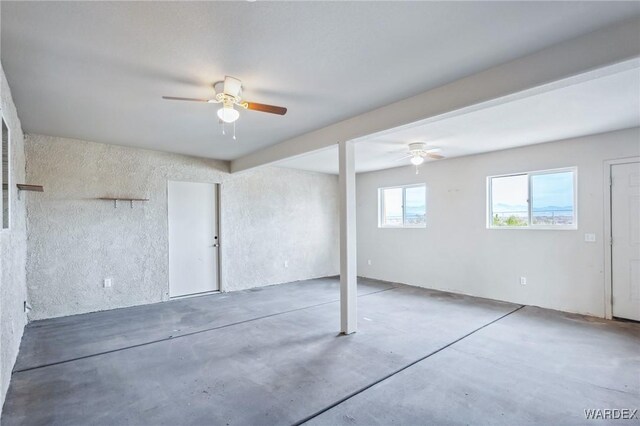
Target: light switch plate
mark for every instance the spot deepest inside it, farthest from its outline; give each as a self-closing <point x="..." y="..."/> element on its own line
<point x="590" y="238"/>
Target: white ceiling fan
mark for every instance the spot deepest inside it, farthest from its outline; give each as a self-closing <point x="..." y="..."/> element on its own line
<point x="230" y="96"/>
<point x="419" y="151"/>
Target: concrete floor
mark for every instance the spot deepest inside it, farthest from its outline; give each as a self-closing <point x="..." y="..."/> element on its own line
<point x="273" y="356"/>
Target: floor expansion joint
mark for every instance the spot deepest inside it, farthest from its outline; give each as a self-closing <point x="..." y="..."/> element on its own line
<point x="388" y="376"/>
<point x="189" y="334"/>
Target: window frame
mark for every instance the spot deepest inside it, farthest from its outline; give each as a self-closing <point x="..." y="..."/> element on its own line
<point x="530" y="225"/>
<point x="381" y="190"/>
<point x="9" y="177"/>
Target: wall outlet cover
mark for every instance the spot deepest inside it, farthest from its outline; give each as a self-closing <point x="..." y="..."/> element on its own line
<point x="107" y="282"/>
<point x="590" y="238"/>
<point x="523" y="280"/>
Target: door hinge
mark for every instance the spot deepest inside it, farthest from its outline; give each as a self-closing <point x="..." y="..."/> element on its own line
<point x="611" y="241"/>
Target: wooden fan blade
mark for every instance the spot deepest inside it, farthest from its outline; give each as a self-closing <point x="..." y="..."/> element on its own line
<point x="435" y="156"/>
<point x="433" y="150"/>
<point x="272" y="109"/>
<point x="172" y="98"/>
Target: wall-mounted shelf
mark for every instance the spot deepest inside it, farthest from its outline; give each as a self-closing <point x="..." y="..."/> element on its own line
<point x="116" y="199"/>
<point x="25" y="187"/>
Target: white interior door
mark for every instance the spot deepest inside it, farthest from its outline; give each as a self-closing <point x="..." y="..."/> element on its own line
<point x="193" y="238"/>
<point x="625" y="248"/>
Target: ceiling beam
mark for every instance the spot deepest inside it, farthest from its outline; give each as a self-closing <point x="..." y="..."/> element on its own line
<point x="598" y="49"/>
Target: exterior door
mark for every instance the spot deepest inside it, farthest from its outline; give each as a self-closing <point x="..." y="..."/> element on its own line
<point x="625" y="245"/>
<point x="193" y="238"/>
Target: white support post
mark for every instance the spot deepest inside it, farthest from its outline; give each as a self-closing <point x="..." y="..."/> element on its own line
<point x="348" y="275"/>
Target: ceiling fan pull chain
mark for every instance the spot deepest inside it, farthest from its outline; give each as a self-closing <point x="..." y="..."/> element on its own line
<point x="223" y="132"/>
<point x="234" y="130"/>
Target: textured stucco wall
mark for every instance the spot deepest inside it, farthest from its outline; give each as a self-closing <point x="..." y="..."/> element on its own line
<point x="13" y="247"/>
<point x="75" y="241"/>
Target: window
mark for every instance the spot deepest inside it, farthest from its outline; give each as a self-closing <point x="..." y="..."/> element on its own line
<point x="509" y="200"/>
<point x="5" y="176"/>
<point x="402" y="207"/>
<point x="543" y="200"/>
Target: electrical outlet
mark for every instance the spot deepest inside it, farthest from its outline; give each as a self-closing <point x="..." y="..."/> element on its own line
<point x="523" y="280"/>
<point x="107" y="282"/>
<point x="286" y="263"/>
<point x="369" y="262"/>
<point x="590" y="238"/>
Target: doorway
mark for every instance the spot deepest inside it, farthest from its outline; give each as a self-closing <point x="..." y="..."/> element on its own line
<point x="193" y="238"/>
<point x="625" y="239"/>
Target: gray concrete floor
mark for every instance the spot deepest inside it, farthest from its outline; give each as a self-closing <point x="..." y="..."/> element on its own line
<point x="273" y="356"/>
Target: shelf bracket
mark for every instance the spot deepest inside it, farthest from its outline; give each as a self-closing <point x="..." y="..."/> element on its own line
<point x="25" y="187"/>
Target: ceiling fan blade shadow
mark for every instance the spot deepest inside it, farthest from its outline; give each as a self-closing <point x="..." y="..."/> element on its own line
<point x="173" y="98"/>
<point x="285" y="96"/>
<point x="388" y="144"/>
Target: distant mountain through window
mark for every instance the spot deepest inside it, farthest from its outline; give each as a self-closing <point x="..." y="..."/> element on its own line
<point x="552" y="199"/>
<point x="402" y="207"/>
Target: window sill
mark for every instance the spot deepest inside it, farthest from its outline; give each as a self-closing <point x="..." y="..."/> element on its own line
<point x="537" y="228"/>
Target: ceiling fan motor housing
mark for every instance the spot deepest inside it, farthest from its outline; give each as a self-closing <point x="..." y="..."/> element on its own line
<point x="417" y="148"/>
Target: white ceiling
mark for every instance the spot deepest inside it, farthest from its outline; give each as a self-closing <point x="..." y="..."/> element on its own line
<point x="97" y="70"/>
<point x="607" y="103"/>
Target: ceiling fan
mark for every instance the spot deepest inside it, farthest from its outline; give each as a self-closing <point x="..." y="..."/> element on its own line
<point x="231" y="96"/>
<point x="418" y="151"/>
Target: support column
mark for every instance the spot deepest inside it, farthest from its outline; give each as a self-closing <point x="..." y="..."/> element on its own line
<point x="348" y="273"/>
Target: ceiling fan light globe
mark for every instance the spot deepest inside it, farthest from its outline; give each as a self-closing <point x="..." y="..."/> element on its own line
<point x="417" y="160"/>
<point x="228" y="115"/>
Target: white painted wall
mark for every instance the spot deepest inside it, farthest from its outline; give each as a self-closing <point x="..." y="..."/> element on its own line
<point x="13" y="248"/>
<point x="75" y="241"/>
<point x="456" y="252"/>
